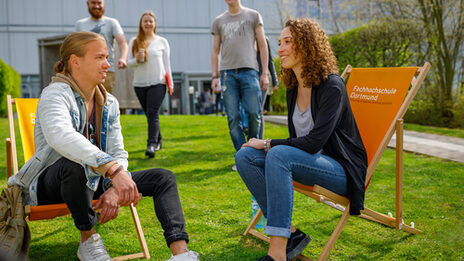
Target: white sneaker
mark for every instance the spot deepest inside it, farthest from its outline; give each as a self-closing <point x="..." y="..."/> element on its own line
<point x="93" y="249"/>
<point x="234" y="167"/>
<point x="187" y="256"/>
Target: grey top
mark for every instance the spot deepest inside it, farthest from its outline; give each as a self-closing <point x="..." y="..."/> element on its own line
<point x="106" y="26"/>
<point x="237" y="34"/>
<point x="303" y="121"/>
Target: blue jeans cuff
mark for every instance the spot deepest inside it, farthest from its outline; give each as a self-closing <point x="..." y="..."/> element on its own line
<point x="277" y="231"/>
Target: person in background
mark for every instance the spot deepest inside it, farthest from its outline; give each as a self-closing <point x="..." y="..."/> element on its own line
<point x="206" y="101"/>
<point x="79" y="154"/>
<point x="110" y="29"/>
<point x="265" y="93"/>
<point x="219" y="99"/>
<point x="274" y="81"/>
<point x="324" y="147"/>
<point x="150" y="58"/>
<point x="234" y="35"/>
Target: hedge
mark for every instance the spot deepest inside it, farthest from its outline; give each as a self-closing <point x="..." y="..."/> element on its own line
<point x="10" y="82"/>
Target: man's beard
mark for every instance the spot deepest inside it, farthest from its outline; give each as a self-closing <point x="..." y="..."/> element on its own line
<point x="97" y="13"/>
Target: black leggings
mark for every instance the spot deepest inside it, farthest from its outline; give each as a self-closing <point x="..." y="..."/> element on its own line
<point x="151" y="98"/>
<point x="65" y="182"/>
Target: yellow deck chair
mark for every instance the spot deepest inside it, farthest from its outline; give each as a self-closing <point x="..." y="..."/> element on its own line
<point x="26" y="109"/>
<point x="378" y="100"/>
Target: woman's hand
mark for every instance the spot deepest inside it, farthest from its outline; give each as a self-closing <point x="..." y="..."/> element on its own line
<point x="140" y="55"/>
<point x="255" y="143"/>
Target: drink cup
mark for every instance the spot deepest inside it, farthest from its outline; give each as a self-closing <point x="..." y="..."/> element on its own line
<point x="142" y="50"/>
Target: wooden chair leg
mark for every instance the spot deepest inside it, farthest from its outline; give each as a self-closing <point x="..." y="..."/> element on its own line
<point x="140" y="235"/>
<point x="399" y="174"/>
<point x="8" y="158"/>
<point x="143" y="243"/>
<point x="251" y="228"/>
<point x="333" y="238"/>
<point x="253" y="222"/>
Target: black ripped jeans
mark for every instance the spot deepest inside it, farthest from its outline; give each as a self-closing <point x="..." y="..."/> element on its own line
<point x="65" y="182"/>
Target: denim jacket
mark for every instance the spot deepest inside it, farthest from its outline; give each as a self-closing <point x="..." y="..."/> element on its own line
<point x="60" y="122"/>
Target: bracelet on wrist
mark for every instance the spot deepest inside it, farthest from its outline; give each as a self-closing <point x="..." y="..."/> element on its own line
<point x="115" y="172"/>
<point x="268" y="144"/>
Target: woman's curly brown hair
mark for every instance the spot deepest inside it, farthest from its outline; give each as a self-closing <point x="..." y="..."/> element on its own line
<point x="312" y="44"/>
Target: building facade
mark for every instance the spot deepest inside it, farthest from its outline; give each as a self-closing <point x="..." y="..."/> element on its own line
<point x="29" y="27"/>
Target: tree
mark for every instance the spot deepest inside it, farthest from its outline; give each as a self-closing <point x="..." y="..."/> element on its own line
<point x="443" y="23"/>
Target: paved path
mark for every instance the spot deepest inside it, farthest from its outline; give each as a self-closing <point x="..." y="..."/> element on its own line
<point x="439" y="146"/>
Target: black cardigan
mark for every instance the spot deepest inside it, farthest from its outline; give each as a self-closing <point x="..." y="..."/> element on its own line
<point x="335" y="132"/>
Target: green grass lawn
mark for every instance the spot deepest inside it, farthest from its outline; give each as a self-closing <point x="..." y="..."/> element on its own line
<point x="216" y="203"/>
<point x="459" y="133"/>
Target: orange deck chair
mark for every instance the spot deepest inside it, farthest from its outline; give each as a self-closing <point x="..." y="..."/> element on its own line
<point x="379" y="98"/>
<point x="26" y="109"/>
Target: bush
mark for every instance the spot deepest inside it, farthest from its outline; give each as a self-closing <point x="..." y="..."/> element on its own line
<point x="458" y="112"/>
<point x="345" y="48"/>
<point x="378" y="44"/>
<point x="10" y="82"/>
<point x="278" y="99"/>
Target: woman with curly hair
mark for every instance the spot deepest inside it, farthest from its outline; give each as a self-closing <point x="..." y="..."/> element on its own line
<point x="324" y="147"/>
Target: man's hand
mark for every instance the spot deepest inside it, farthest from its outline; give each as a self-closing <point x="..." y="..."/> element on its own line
<point x="264" y="81"/>
<point x="215" y="84"/>
<point x="108" y="202"/>
<point x="255" y="143"/>
<point x="126" y="188"/>
<point x="122" y="63"/>
<point x="275" y="87"/>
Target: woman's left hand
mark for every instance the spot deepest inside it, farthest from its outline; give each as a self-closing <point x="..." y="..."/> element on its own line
<point x="255" y="143"/>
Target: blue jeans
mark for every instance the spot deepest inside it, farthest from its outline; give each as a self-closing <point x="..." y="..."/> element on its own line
<point x="269" y="177"/>
<point x="242" y="88"/>
<point x="245" y="117"/>
<point x="219" y="103"/>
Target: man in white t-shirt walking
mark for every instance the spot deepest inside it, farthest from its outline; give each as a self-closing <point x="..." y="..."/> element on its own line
<point x="110" y="29"/>
<point x="235" y="32"/>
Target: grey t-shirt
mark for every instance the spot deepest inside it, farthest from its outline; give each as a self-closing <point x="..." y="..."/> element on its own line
<point x="106" y="26"/>
<point x="303" y="121"/>
<point x="237" y="34"/>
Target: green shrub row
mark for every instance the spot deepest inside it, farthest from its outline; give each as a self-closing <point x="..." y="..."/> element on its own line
<point x="10" y="82"/>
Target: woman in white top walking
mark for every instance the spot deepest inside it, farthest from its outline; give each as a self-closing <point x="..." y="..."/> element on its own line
<point x="149" y="56"/>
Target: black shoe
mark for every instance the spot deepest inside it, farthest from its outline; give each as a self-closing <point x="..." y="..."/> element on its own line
<point x="266" y="258"/>
<point x="150" y="152"/>
<point x="245" y="130"/>
<point x="296" y="243"/>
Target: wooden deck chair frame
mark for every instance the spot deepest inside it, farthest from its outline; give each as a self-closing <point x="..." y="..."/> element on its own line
<point x="57" y="210"/>
<point x="341" y="203"/>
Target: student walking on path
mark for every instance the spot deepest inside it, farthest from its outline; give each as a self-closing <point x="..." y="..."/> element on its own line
<point x="150" y="58"/>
